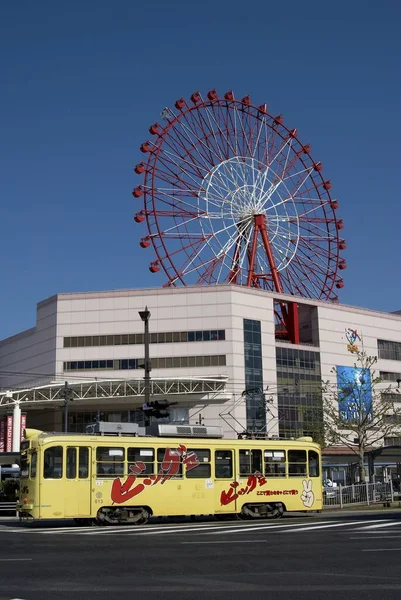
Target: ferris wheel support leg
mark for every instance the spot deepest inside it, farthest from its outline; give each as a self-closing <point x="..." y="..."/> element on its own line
<point x="260" y="223"/>
<point x="251" y="270"/>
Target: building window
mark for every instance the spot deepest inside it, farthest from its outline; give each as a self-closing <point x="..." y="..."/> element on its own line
<point x="255" y="404"/>
<point x="389" y="350"/>
<point x="124" y="364"/>
<point x="124" y="339"/>
<point x="299" y="393"/>
<point x="388" y="376"/>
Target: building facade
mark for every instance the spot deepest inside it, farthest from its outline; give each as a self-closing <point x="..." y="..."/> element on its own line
<point x="219" y="334"/>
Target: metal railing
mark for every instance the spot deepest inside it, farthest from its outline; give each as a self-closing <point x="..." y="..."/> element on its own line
<point x="358" y="494"/>
<point x="8" y="507"/>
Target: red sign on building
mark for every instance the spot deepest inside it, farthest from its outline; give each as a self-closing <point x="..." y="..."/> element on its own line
<point x="23" y="424"/>
<point x="3" y="434"/>
<point x="9" y="433"/>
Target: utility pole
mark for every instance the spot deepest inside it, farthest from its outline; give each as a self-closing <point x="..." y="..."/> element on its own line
<point x="66" y="391"/>
<point x="145" y="316"/>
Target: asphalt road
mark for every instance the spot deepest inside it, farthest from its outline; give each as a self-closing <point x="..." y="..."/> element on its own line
<point x="341" y="556"/>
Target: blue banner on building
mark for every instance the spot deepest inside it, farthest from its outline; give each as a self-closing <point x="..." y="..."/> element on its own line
<point x="354" y="393"/>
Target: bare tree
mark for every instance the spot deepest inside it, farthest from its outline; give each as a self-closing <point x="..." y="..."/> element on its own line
<point x="358" y="412"/>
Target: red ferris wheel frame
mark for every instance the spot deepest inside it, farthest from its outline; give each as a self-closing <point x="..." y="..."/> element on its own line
<point x="227" y="162"/>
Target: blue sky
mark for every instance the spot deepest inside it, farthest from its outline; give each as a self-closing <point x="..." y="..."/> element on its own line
<point x="82" y="81"/>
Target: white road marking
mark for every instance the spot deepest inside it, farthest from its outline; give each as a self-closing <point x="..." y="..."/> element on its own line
<point x="380" y="549"/>
<point x="228" y="542"/>
<point x="264" y="527"/>
<point x="13" y="559"/>
<point x="176" y="528"/>
<point x="331" y="525"/>
<point x="380" y="524"/>
<point x="376" y="537"/>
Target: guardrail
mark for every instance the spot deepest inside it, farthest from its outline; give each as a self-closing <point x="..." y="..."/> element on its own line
<point x="361" y="493"/>
<point x="8" y="507"/>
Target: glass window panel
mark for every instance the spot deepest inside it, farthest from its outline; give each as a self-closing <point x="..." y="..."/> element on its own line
<point x="203" y="470"/>
<point x="166" y="457"/>
<point x="71" y="465"/>
<point x="125" y="339"/>
<point x="214" y="335"/>
<point x="74" y="342"/>
<point x="176" y="362"/>
<point x="102" y="364"/>
<point x="169" y="338"/>
<point x="223" y="464"/>
<point x="198" y="336"/>
<point x="183" y="336"/>
<point x="275" y="463"/>
<point x="81" y="364"/>
<point x="143" y="455"/>
<point x="199" y="361"/>
<point x="191" y="336"/>
<point x="153" y="338"/>
<point x="103" y="340"/>
<point x="297" y="463"/>
<point x="221" y="334"/>
<point x="206" y="361"/>
<point x="169" y="362"/>
<point x="116" y="340"/>
<point x="161" y="338"/>
<point x="176" y="336"/>
<point x="67" y="342"/>
<point x="88" y="340"/>
<point x="53" y="463"/>
<point x="244" y="462"/>
<point x="34" y="463"/>
<point x="95" y="340"/>
<point x="206" y="336"/>
<point x="81" y="341"/>
<point x="109" y="340"/>
<point x="314" y="470"/>
<point x="214" y="361"/>
<point x="131" y="338"/>
<point x="191" y="361"/>
<point x="83" y="468"/>
<point x="256" y="461"/>
<point x="95" y="364"/>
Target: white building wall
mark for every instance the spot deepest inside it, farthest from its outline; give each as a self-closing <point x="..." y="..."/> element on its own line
<point x="40" y="351"/>
<point x="31" y="355"/>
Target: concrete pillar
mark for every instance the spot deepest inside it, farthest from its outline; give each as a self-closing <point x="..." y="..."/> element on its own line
<point x="16" y="427"/>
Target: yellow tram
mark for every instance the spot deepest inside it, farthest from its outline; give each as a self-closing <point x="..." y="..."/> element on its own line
<point x="184" y="470"/>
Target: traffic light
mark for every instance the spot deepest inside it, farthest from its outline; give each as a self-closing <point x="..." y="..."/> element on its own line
<point x="159" y="409"/>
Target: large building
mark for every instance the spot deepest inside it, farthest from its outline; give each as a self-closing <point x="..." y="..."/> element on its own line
<point x="214" y="351"/>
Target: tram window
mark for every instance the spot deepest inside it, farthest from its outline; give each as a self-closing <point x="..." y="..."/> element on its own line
<point x="223" y="464"/>
<point x="297" y="463"/>
<point x="143" y="455"/>
<point x="34" y="462"/>
<point x="170" y="463"/>
<point x="275" y="463"/>
<point x="110" y="461"/>
<point x="71" y="466"/>
<point x="83" y="467"/>
<point x="250" y="462"/>
<point x="53" y="463"/>
<point x="313" y="463"/>
<point x="204" y="469"/>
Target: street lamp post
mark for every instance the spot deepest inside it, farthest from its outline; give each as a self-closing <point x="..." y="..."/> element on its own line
<point x="145" y="316"/>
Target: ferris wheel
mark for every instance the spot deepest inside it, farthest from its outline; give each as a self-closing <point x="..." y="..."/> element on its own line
<point x="231" y="195"/>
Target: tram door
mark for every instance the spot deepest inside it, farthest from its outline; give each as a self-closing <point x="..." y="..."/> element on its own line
<point x="77" y="498"/>
<point x="224" y="472"/>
